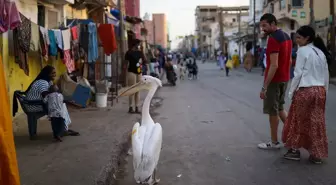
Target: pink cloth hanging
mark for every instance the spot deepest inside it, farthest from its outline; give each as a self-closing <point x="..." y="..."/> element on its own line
<point x="9" y="15"/>
<point x="67" y="60"/>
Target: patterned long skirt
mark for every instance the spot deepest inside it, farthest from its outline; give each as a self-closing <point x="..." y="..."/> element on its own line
<point x="305" y="126"/>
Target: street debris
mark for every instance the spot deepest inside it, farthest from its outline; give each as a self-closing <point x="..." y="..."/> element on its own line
<point x="227" y="159"/>
<point x="180" y="175"/>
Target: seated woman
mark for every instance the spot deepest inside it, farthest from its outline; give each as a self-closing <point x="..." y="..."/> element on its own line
<point x="39" y="89"/>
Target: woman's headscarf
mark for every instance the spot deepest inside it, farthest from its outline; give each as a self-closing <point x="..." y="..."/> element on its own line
<point x="43" y="75"/>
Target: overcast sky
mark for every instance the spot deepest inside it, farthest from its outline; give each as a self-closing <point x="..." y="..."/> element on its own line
<point x="181" y="13"/>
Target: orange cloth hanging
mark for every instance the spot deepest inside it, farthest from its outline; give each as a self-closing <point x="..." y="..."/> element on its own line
<point x="107" y="37"/>
<point x="9" y="173"/>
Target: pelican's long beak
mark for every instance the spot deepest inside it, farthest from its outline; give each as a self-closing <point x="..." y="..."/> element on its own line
<point x="133" y="89"/>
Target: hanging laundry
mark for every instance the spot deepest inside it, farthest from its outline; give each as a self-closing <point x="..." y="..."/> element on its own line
<point x="44" y="42"/>
<point x="59" y="39"/>
<point x="107" y="36"/>
<point x="52" y="45"/>
<point x="44" y="31"/>
<point x="35" y="30"/>
<point x="84" y="39"/>
<point x="67" y="60"/>
<point x="22" y="37"/>
<point x="66" y="35"/>
<point x="9" y="16"/>
<point x="74" y="33"/>
<point x="93" y="43"/>
<point x="75" y="45"/>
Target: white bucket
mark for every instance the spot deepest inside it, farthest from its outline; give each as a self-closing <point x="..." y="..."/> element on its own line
<point x="101" y="100"/>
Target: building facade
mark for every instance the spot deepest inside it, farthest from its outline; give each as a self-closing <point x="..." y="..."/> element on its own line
<point x="132" y="8"/>
<point x="291" y="14"/>
<point x="160" y="30"/>
<point x="204" y="17"/>
<point x="150" y="32"/>
<point x="208" y="27"/>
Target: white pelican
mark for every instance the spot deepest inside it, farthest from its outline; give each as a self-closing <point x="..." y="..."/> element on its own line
<point x="147" y="137"/>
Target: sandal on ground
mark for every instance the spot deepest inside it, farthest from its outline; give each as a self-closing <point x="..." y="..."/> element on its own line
<point x="71" y="133"/>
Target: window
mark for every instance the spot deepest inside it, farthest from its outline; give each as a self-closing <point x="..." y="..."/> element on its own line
<point x="48" y="17"/>
<point x="282" y="4"/>
<point x="52" y="19"/>
<point x="297" y="3"/>
<point x="233" y="20"/>
<point x="41" y="15"/>
<point x="302" y="14"/>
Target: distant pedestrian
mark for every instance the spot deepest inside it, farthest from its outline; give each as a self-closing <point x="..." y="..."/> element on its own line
<point x="235" y="59"/>
<point x="227" y="70"/>
<point x="305" y="126"/>
<point x="221" y="61"/>
<point x="278" y="54"/>
<point x="248" y="58"/>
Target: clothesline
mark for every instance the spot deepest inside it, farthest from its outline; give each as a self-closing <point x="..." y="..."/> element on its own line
<point x="73" y="41"/>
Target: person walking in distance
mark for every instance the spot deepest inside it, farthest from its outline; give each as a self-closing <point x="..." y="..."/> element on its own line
<point x="277" y="75"/>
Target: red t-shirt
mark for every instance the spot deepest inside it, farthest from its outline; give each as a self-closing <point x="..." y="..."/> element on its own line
<point x="279" y="42"/>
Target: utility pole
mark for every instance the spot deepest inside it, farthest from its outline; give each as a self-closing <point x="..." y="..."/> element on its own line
<point x="122" y="39"/>
<point x="312" y="16"/>
<point x="254" y="32"/>
<point x="221" y="30"/>
<point x="332" y="35"/>
<point x="239" y="22"/>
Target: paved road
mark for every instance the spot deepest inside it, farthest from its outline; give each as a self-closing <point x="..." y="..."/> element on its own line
<point x="211" y="128"/>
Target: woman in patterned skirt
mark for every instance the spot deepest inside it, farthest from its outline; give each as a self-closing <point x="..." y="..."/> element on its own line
<point x="305" y="126"/>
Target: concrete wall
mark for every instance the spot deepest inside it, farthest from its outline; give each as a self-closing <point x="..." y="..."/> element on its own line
<point x="71" y="13"/>
<point x="132" y="8"/>
<point x="160" y="23"/>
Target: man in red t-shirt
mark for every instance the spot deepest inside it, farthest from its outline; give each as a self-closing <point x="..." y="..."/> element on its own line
<point x="277" y="75"/>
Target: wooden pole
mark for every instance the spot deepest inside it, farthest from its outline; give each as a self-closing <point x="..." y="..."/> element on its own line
<point x="254" y="31"/>
<point x="122" y="39"/>
<point x="312" y="16"/>
<point x="239" y="30"/>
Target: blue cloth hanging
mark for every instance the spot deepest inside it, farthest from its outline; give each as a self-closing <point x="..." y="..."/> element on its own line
<point x="52" y="43"/>
<point x="93" y="43"/>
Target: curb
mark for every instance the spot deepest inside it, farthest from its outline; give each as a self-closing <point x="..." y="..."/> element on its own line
<point x="107" y="175"/>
